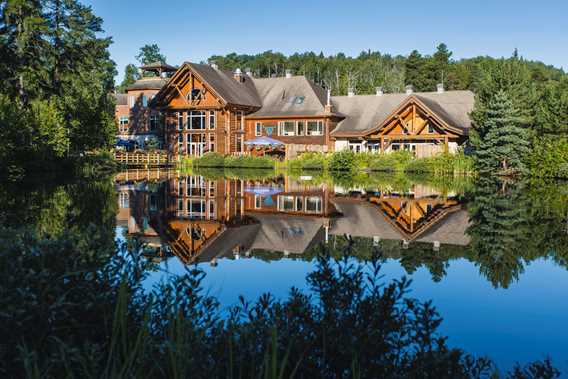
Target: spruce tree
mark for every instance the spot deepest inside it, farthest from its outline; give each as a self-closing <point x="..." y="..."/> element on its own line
<point x="415" y="69"/>
<point x="500" y="142"/>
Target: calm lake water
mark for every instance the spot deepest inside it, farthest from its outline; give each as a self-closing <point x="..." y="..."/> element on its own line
<point x="492" y="255"/>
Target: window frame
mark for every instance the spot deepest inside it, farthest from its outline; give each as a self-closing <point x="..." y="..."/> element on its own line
<point x="192" y="115"/>
<point x="258" y="129"/>
<point x="320" y="126"/>
<point x="282" y="127"/>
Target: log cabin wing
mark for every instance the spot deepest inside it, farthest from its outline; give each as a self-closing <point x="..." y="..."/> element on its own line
<point x="425" y="123"/>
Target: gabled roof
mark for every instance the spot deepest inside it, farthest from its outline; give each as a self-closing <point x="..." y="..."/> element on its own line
<point x="282" y="232"/>
<point x="147" y="83"/>
<point x="294" y="96"/>
<point x="365" y="113"/>
<point x="158" y="66"/>
<point x="229" y="89"/>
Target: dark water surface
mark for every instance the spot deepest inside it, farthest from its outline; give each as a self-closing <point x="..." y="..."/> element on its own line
<point x="492" y="255"/>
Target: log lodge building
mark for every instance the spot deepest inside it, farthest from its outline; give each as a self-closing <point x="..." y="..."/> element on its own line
<point x="202" y="108"/>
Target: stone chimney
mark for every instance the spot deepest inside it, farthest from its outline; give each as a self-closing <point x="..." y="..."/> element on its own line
<point x="350" y="92"/>
<point x="288" y="74"/>
<point x="328" y="107"/>
<point x="409" y="89"/>
<point x="238" y="75"/>
<point x="248" y="71"/>
<point x="379" y="91"/>
<point x="214" y="65"/>
<point x="440" y="87"/>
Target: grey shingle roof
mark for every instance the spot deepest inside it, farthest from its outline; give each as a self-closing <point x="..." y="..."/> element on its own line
<point x="295" y="96"/>
<point x="363" y="113"/>
<point x="226" y="86"/>
<point x="276" y="234"/>
<point x="147" y="83"/>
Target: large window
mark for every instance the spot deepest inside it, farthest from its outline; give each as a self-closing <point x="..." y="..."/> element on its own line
<point x="212" y="120"/>
<point x="212" y="142"/>
<point x="131" y="101"/>
<point x="240" y="120"/>
<point x="315" y="128"/>
<point x="123" y="124"/>
<point x="301" y="128"/>
<point x="195" y="120"/>
<point x="180" y="120"/>
<point x="313" y="204"/>
<point x="287" y="128"/>
<point x="258" y="129"/>
<point x="144" y="101"/>
<point x="154" y="122"/>
<point x="180" y="143"/>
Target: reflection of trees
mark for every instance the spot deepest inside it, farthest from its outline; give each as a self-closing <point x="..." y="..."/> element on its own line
<point x="83" y="209"/>
<point x="499" y="227"/>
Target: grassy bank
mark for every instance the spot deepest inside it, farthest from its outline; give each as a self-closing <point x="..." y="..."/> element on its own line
<point x="345" y="161"/>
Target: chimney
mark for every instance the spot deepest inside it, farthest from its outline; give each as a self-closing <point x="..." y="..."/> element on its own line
<point x="238" y="75"/>
<point x="288" y="74"/>
<point x="379" y="91"/>
<point x="409" y="89"/>
<point x="440" y="87"/>
<point x="214" y="65"/>
<point x="248" y="71"/>
<point x="328" y="107"/>
<point x="350" y="92"/>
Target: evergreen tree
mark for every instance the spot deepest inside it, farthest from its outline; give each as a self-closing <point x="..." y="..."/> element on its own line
<point x="130" y="76"/>
<point x="150" y="53"/>
<point x="441" y="64"/>
<point x="499" y="140"/>
<point x="415" y="68"/>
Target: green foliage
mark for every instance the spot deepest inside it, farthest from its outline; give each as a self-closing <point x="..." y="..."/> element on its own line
<point x="309" y="161"/>
<point x="210" y="160"/>
<point x="343" y="160"/>
<point x="394" y="161"/>
<point x="242" y="161"/>
<point x="442" y="164"/>
<point x="499" y="140"/>
<point x="150" y="53"/>
<point x="131" y="75"/>
<point x="57" y="76"/>
<point x="549" y="157"/>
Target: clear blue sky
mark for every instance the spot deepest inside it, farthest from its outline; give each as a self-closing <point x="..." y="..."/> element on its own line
<point x="188" y="30"/>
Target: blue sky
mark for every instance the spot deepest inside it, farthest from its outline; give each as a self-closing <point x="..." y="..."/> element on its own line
<point x="192" y="31"/>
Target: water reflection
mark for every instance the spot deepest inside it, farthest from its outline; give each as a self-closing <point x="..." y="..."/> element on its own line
<point x="205" y="218"/>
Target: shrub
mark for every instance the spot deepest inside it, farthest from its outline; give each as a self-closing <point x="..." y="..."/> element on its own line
<point x="549" y="158"/>
<point x="309" y="161"/>
<point x="248" y="161"/>
<point x="210" y="160"/>
<point x="343" y="160"/>
<point x="394" y="161"/>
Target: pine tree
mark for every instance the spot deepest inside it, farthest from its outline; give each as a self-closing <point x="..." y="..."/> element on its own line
<point x="441" y="64"/>
<point x="415" y="67"/>
<point x="150" y="53"/>
<point x="130" y="76"/>
<point x="499" y="140"/>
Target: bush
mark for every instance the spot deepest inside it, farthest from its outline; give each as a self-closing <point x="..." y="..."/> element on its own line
<point x="309" y="161"/>
<point x="343" y="160"/>
<point x="210" y="160"/>
<point x="393" y="161"/>
<point x="549" y="158"/>
<point x="248" y="161"/>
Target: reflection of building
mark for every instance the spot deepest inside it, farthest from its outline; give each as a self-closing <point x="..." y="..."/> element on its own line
<point x="138" y="212"/>
<point x="406" y="217"/>
<point x="201" y="220"/>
